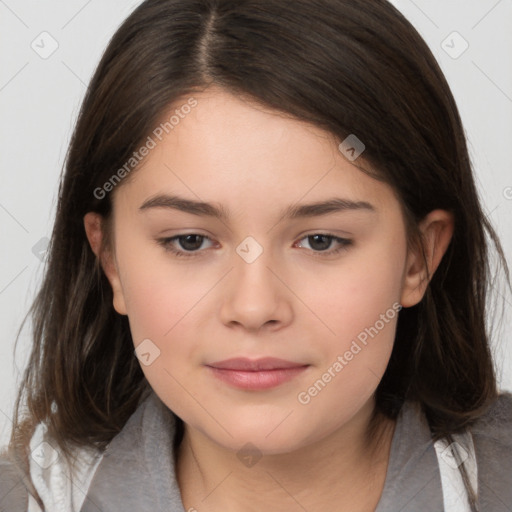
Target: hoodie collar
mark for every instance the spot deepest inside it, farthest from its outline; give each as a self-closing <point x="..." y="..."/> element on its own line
<point x="137" y="470"/>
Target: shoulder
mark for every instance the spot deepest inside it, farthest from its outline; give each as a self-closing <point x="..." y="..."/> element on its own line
<point x="60" y="482"/>
<point x="492" y="437"/>
<point x="495" y="426"/>
<point x="13" y="492"/>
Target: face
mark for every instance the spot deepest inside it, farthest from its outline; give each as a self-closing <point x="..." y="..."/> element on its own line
<point x="321" y="291"/>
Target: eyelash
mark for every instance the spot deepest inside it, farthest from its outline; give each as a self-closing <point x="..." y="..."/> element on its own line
<point x="166" y="244"/>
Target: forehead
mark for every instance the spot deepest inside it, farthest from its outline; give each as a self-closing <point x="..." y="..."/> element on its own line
<point x="237" y="153"/>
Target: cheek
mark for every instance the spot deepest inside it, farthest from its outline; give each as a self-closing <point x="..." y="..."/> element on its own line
<point x="361" y="310"/>
<point x="157" y="290"/>
<point x="154" y="301"/>
<point x="163" y="299"/>
<point x="361" y="288"/>
<point x="164" y="310"/>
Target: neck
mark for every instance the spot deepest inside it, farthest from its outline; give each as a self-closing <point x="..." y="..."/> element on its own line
<point x="341" y="471"/>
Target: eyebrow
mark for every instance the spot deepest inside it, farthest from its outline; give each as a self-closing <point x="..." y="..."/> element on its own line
<point x="200" y="208"/>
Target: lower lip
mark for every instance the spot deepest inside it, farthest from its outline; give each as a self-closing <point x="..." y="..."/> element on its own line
<point x="264" y="379"/>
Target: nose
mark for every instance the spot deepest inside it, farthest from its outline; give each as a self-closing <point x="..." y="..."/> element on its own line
<point x="256" y="295"/>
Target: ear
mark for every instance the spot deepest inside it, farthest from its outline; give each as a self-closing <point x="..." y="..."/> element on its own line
<point x="95" y="230"/>
<point x="437" y="230"/>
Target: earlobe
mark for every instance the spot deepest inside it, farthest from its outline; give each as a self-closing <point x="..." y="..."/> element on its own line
<point x="437" y="231"/>
<point x="94" y="229"/>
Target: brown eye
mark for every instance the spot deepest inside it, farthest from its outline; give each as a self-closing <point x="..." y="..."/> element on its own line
<point x="188" y="244"/>
<point x="320" y="243"/>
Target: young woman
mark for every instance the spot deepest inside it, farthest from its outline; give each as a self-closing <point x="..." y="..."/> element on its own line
<point x="322" y="345"/>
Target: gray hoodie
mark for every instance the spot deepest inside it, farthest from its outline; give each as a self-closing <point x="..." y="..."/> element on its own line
<point x="136" y="472"/>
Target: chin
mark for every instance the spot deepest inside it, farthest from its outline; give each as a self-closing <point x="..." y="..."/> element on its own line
<point x="260" y="436"/>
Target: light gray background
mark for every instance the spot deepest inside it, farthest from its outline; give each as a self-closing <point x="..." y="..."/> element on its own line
<point x="39" y="100"/>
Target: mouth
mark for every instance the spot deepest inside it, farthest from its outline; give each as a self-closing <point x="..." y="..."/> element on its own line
<point x="256" y="374"/>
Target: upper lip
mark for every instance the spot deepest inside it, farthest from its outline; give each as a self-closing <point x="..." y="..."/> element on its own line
<point x="245" y="364"/>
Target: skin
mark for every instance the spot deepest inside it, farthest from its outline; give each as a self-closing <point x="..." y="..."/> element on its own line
<point x="291" y="302"/>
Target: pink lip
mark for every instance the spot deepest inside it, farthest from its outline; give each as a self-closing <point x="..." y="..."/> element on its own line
<point x="264" y="363"/>
<point x="262" y="373"/>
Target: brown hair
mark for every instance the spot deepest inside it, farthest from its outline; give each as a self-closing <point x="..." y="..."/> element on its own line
<point x="347" y="66"/>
